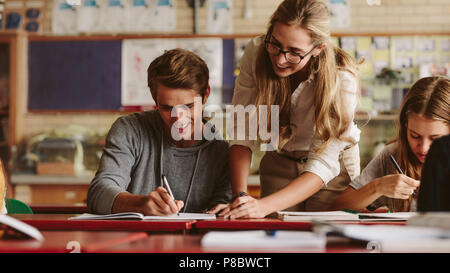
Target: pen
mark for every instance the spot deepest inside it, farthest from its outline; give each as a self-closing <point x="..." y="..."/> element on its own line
<point x="271" y="232"/>
<point x="166" y="185"/>
<point x="399" y="170"/>
<point x="240" y="194"/>
<point x="395" y="164"/>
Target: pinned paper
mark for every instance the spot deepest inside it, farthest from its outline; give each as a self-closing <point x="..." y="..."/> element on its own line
<point x="404" y="44"/>
<point x="163" y="16"/>
<point x="365" y="104"/>
<point x="340" y="13"/>
<point x="112" y="15"/>
<point x="380" y="55"/>
<point x="88" y="16"/>
<point x="348" y="43"/>
<point x="363" y="43"/>
<point x="381" y="43"/>
<point x="382" y="92"/>
<point x="403" y="62"/>
<point x="426" y="44"/>
<point x="220" y="16"/>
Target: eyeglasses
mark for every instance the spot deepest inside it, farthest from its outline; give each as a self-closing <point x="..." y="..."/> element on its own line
<point x="291" y="57"/>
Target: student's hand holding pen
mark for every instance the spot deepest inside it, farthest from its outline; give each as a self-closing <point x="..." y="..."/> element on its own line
<point x="159" y="202"/>
<point x="397" y="186"/>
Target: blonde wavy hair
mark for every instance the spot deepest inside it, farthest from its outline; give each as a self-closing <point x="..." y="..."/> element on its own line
<point x="428" y="97"/>
<point x="331" y="117"/>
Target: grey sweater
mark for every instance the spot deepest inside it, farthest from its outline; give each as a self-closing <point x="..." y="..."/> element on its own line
<point x="379" y="166"/>
<point x="131" y="162"/>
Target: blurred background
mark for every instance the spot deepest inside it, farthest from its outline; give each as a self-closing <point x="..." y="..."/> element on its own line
<point x="69" y="69"/>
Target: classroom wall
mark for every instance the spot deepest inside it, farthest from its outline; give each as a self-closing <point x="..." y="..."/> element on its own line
<point x="391" y="17"/>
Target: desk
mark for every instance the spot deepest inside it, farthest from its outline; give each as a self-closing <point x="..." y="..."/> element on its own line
<point x="59" y="209"/>
<point x="60" y="222"/>
<point x="273" y="223"/>
<point x="70" y="241"/>
<point x="246" y="224"/>
<point x="176" y="243"/>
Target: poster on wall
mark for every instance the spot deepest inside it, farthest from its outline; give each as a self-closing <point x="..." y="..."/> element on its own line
<point x="340" y="13"/>
<point x="137" y="54"/>
<point x="64" y="18"/>
<point x="163" y="17"/>
<point x="220" y="17"/>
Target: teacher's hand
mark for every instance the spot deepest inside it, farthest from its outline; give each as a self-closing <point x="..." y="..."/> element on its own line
<point x="246" y="207"/>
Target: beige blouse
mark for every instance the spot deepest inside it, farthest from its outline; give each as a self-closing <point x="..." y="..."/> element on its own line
<point x="325" y="165"/>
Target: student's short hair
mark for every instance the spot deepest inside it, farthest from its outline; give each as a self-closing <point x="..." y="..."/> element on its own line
<point x="178" y="68"/>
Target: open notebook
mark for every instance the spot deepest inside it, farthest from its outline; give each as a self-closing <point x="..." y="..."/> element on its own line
<point x="140" y="216"/>
<point x="343" y="216"/>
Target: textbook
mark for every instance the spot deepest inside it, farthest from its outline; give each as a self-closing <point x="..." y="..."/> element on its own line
<point x="15" y="229"/>
<point x="344" y="216"/>
<point x="317" y="216"/>
<point x="391" y="216"/>
<point x="140" y="216"/>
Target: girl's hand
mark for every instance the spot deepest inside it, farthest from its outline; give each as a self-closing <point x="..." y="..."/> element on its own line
<point x="397" y="186"/>
<point x="246" y="207"/>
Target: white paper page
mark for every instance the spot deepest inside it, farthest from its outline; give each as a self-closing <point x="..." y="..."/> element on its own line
<point x="318" y="213"/>
<point x="88" y="15"/>
<point x="64" y="18"/>
<point x="259" y="239"/>
<point x="137" y="54"/>
<point x="22" y="227"/>
<point x="183" y="216"/>
<point x="112" y="16"/>
<point x="163" y="17"/>
<point x="318" y="216"/>
<point x="220" y="16"/>
<point x="392" y="215"/>
<point x="137" y="16"/>
<point x="122" y="215"/>
<point x="136" y="57"/>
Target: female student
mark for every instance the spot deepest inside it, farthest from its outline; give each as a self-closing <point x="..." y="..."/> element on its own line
<point x="424" y="116"/>
<point x="314" y="83"/>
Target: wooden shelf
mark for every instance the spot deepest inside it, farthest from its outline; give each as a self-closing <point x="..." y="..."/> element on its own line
<point x="379" y="117"/>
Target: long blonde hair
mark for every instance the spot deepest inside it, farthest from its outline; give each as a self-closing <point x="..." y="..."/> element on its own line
<point x="430" y="98"/>
<point x="331" y="119"/>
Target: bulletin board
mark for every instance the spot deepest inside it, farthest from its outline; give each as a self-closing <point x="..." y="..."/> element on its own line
<point x="90" y="75"/>
<point x="74" y="75"/>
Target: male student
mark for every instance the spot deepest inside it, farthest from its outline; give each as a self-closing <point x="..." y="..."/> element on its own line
<point x="142" y="147"/>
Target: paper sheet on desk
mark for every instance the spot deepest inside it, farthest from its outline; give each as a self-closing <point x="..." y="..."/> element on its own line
<point x="390" y="238"/>
<point x="140" y="216"/>
<point x="259" y="239"/>
<point x="317" y="216"/>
